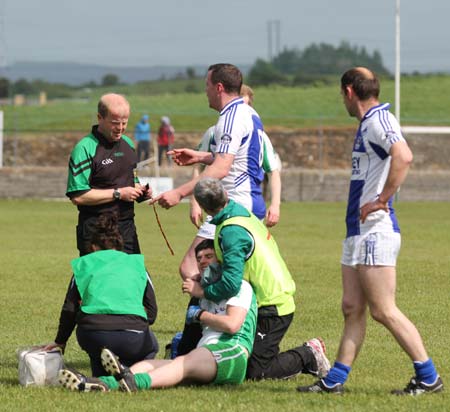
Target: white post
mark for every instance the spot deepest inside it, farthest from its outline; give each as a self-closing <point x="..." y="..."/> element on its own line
<point x="1" y="139"/>
<point x="155" y="155"/>
<point x="397" y="61"/>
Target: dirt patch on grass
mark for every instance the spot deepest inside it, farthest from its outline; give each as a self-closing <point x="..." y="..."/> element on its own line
<point x="328" y="148"/>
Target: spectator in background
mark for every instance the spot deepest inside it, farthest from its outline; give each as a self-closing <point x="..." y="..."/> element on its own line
<point x="142" y="137"/>
<point x="165" y="139"/>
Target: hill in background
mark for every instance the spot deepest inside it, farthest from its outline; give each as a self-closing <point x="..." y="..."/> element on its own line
<point x="75" y="74"/>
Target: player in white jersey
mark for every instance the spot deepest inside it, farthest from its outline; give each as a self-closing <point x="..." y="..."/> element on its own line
<point x="239" y="132"/>
<point x="379" y="130"/>
<point x="237" y="151"/>
<point x="271" y="166"/>
<point x="237" y="159"/>
<point x="380" y="162"/>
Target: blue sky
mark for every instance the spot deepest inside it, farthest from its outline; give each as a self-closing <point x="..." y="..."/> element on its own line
<point x="188" y="32"/>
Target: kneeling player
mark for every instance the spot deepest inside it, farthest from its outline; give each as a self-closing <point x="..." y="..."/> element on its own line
<point x="220" y="357"/>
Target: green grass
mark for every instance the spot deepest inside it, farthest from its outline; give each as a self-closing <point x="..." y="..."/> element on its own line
<point x="38" y="242"/>
<point x="422" y="103"/>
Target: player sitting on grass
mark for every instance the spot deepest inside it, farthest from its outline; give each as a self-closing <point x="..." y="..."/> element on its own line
<point x="220" y="357"/>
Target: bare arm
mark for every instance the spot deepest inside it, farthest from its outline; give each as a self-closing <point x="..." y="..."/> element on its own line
<point x="196" y="213"/>
<point x="401" y="158"/>
<point x="230" y="323"/>
<point x="187" y="157"/>
<point x="218" y="169"/>
<point x="273" y="212"/>
<point x="100" y="196"/>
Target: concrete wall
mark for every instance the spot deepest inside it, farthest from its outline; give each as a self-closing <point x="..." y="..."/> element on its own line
<point x="298" y="184"/>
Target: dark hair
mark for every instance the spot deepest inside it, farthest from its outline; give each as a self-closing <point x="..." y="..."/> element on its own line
<point x="227" y="74"/>
<point x="106" y="233"/>
<point x="204" y="244"/>
<point x="364" y="82"/>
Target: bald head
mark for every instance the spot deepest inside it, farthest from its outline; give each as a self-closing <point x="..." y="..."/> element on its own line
<point x="114" y="102"/>
<point x="364" y="71"/>
<point x="112" y="116"/>
<point x="363" y="81"/>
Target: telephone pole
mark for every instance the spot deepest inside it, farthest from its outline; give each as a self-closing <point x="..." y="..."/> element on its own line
<point x="273" y="32"/>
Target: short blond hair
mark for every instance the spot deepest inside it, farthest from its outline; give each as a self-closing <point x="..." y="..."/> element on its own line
<point x="109" y="100"/>
<point x="247" y="91"/>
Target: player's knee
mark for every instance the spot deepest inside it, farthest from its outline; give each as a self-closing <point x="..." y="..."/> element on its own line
<point x="352" y="308"/>
<point x="385" y="316"/>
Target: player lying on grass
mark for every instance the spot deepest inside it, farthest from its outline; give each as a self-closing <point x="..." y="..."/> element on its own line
<point x="220" y="357"/>
<point x="247" y="251"/>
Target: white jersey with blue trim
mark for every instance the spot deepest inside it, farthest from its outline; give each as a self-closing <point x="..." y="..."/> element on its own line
<point x="377" y="132"/>
<point x="239" y="131"/>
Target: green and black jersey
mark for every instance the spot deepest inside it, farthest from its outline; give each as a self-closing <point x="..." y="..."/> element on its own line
<point x="96" y="163"/>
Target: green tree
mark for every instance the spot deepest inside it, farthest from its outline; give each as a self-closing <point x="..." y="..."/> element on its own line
<point x="325" y="59"/>
<point x="190" y="73"/>
<point x="4" y="87"/>
<point x="22" y="86"/>
<point x="53" y="90"/>
<point x="263" y="73"/>
<point x="110" y="79"/>
<point x="287" y="61"/>
<point x="315" y="64"/>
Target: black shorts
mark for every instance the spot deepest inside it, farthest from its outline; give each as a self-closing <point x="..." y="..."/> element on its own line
<point x="129" y="346"/>
<point x="127" y="229"/>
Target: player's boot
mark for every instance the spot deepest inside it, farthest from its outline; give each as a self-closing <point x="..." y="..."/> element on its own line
<point x="317" y="346"/>
<point x="122" y="373"/>
<point x="320" y="387"/>
<point x="76" y="381"/>
<point x="415" y="388"/>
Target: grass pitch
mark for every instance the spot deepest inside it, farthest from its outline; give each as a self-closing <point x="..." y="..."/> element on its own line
<point x="38" y="242"/>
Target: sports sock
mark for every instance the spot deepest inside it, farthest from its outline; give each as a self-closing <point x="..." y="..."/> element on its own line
<point x="426" y="372"/>
<point x="110" y="382"/>
<point x="143" y="380"/>
<point x="337" y="374"/>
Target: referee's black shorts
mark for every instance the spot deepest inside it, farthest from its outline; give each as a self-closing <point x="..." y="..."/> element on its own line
<point x="127" y="229"/>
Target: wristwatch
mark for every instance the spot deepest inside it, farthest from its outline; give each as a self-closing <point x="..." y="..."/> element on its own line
<point x="116" y="194"/>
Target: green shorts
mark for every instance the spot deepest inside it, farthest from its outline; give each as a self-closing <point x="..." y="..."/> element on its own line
<point x="231" y="360"/>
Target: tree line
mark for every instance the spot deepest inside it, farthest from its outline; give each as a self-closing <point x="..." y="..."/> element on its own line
<point x="291" y="67"/>
<point x="294" y="67"/>
<point x="54" y="90"/>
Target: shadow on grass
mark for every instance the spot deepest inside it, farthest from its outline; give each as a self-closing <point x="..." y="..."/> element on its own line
<point x="9" y="381"/>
